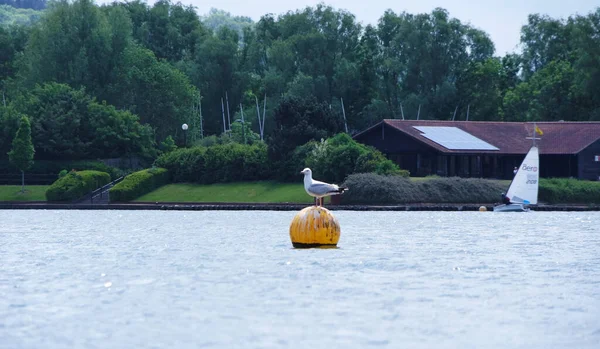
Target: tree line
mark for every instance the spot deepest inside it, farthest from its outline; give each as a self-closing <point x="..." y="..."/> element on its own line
<point x="133" y="73"/>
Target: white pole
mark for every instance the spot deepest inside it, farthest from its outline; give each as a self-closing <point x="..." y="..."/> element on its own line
<point x="200" y="110"/>
<point x="228" y="118"/>
<point x="258" y="115"/>
<point x="344" y="114"/>
<point x="468" y="109"/>
<point x="419" y="112"/>
<point x="243" y="124"/>
<point x="264" y="114"/>
<point x="453" y="116"/>
<point x="402" y="111"/>
<point x="223" y="111"/>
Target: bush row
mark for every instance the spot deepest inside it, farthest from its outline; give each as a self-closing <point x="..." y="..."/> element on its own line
<point x="138" y="184"/>
<point x="369" y="188"/>
<point x="76" y="184"/>
<point x="219" y="163"/>
<point x="568" y="191"/>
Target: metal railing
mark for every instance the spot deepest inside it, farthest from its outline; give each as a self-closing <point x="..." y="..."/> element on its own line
<point x="99" y="192"/>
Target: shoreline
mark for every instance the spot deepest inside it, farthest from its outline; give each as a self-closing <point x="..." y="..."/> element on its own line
<point x="187" y="206"/>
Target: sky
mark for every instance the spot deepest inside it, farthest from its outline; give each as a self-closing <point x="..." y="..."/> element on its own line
<point x="501" y="19"/>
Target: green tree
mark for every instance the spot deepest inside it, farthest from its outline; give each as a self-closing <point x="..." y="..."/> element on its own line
<point x="21" y="155"/>
<point x="242" y="133"/>
<point x="479" y="87"/>
<point x="9" y="124"/>
<point x="544" y="40"/>
<point x="71" y="44"/>
<point x="216" y="19"/>
<point x="168" y="145"/>
<point x="546" y="96"/>
<point x="159" y="94"/>
<point x="69" y="123"/>
<point x="298" y="121"/>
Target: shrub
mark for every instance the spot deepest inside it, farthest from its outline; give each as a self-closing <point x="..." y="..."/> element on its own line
<point x="369" y="188"/>
<point x="76" y="184"/>
<point x="219" y="163"/>
<point x="138" y="184"/>
<point x="568" y="190"/>
<point x="168" y="144"/>
<point x="336" y="158"/>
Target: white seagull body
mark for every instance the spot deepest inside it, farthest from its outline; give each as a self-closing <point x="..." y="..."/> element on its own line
<point x="319" y="189"/>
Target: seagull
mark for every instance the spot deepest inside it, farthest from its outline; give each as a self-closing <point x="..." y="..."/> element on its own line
<point x="319" y="189"/>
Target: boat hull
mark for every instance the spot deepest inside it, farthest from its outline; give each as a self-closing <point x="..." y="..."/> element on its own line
<point x="511" y="208"/>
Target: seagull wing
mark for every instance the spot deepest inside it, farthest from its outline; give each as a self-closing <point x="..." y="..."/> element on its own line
<point x="320" y="188"/>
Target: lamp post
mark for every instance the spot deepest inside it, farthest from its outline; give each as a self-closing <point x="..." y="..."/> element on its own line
<point x="184" y="127"/>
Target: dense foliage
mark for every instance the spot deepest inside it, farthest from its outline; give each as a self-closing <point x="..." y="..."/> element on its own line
<point x="377" y="189"/>
<point x="24" y="4"/>
<point x="229" y="162"/>
<point x="10" y="15"/>
<point x="332" y="160"/>
<point x="76" y="184"/>
<point x="67" y="123"/>
<point x="565" y="190"/>
<point x="138" y="184"/>
<point x="297" y="122"/>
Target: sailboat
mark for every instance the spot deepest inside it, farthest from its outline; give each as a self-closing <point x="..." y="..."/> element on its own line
<point x="523" y="189"/>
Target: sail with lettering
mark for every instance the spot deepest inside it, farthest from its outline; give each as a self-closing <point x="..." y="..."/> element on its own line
<point x="524" y="187"/>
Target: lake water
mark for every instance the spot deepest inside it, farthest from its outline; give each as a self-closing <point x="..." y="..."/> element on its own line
<point x="231" y="279"/>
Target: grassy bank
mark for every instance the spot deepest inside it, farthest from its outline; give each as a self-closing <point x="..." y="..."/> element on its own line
<point x="366" y="191"/>
<point x="32" y="193"/>
<point x="246" y="192"/>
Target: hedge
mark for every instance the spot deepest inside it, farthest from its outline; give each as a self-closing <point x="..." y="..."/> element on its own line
<point x="569" y="191"/>
<point x="217" y="164"/>
<point x="138" y="184"/>
<point x="369" y="188"/>
<point x="76" y="184"/>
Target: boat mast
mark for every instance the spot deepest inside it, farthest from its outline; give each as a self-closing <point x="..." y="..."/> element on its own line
<point x="533" y="135"/>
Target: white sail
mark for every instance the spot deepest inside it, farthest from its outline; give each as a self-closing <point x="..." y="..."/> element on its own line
<point x="524" y="187"/>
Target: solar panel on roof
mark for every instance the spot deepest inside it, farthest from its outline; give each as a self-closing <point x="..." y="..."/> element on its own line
<point x="454" y="138"/>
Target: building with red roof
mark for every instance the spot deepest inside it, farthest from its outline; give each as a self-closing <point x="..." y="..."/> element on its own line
<point x="487" y="149"/>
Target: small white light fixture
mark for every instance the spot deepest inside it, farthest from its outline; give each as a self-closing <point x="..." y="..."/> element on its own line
<point x="184" y="127"/>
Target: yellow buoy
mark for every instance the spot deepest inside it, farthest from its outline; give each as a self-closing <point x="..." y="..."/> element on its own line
<point x="314" y="227"/>
<point x="482" y="208"/>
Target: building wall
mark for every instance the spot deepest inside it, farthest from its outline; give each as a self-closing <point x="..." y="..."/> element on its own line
<point x="588" y="168"/>
<point x="558" y="166"/>
<point x="404" y="150"/>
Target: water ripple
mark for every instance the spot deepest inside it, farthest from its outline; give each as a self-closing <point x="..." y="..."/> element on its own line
<point x="230" y="279"/>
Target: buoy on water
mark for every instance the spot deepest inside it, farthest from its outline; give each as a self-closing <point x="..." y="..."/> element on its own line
<point x="314" y="226"/>
<point x="482" y="208"/>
